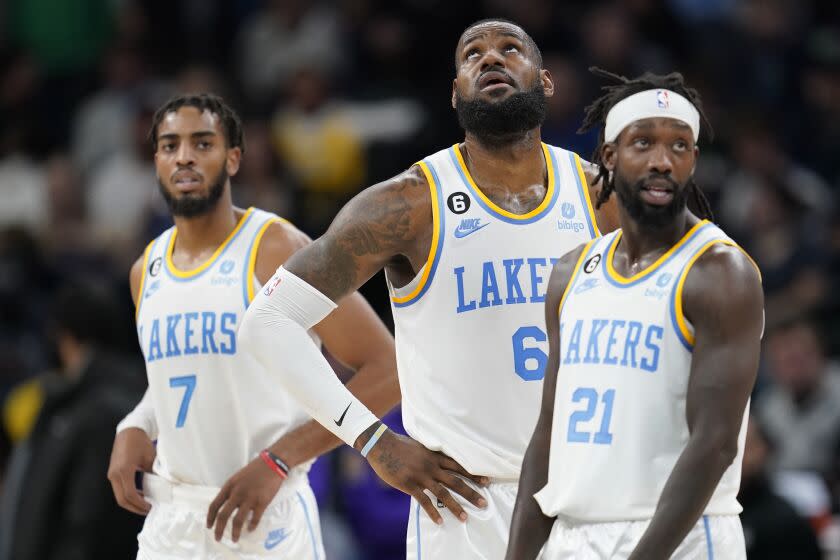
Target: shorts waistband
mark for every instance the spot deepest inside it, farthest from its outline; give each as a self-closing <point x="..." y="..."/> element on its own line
<point x="199" y="497"/>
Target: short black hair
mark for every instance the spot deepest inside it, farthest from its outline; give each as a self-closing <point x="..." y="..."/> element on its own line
<point x="231" y="123"/>
<point x="528" y="39"/>
<point x="622" y="88"/>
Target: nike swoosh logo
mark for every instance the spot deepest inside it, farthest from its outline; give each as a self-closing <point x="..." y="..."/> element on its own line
<point x="273" y="542"/>
<point x="341" y="418"/>
<point x="459" y="233"/>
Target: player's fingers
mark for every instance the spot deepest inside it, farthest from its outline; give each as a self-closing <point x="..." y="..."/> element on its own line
<point x="222" y="519"/>
<point x="463" y="489"/>
<point x="452" y="465"/>
<point x="216" y="504"/>
<point x="239" y="520"/>
<point x="256" y="515"/>
<point x="133" y="499"/>
<point x="428" y="506"/>
<point x="446" y="499"/>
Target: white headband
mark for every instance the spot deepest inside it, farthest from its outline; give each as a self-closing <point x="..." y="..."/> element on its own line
<point x="648" y="104"/>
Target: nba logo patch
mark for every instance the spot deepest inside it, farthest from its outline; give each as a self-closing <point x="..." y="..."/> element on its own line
<point x="272" y="285"/>
<point x="662" y="100"/>
<point x="567" y="209"/>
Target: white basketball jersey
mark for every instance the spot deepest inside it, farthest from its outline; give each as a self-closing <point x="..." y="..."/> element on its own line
<point x="471" y="348"/>
<point x="216" y="407"/>
<point x="619" y="410"/>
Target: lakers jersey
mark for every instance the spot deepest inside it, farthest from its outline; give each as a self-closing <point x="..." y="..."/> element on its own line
<point x="471" y="347"/>
<point x="215" y="406"/>
<point x="619" y="421"/>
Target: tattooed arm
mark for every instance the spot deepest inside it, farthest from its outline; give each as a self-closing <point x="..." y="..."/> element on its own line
<point x="388" y="224"/>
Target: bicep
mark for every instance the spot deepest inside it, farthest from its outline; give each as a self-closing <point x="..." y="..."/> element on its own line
<point x="728" y="324"/>
<point x="379" y="223"/>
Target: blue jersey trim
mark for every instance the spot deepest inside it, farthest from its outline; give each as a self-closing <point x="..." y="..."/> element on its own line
<point x="308" y="525"/>
<point x="247" y="260"/>
<point x="217" y="259"/>
<point x="653" y="269"/>
<point x="583" y="202"/>
<point x="147" y="276"/>
<point x="441" y="235"/>
<point x="479" y="199"/>
<point x="710" y="550"/>
<point x="672" y="311"/>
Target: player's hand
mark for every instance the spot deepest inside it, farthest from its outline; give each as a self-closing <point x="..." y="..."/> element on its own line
<point x="133" y="451"/>
<point x="408" y="466"/>
<point x="247" y="492"/>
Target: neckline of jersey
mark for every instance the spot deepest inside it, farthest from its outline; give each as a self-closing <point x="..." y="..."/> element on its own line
<point x="613" y="274"/>
<point x="177" y="272"/>
<point x="494" y="208"/>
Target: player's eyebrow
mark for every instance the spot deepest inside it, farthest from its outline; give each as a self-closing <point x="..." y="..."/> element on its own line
<point x="482" y="34"/>
<point x="197" y="134"/>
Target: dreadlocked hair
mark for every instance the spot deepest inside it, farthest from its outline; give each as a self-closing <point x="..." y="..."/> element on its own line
<point x="596" y="115"/>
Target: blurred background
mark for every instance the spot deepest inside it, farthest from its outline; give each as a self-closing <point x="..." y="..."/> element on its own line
<point x="339" y="95"/>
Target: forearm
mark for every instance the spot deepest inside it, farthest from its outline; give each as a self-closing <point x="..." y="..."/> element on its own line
<point x="684" y="497"/>
<point x="375" y="384"/>
<point x="274" y="331"/>
<point x="530" y="528"/>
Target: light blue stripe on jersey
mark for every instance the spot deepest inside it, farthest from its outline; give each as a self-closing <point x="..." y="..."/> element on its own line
<point x="417" y="518"/>
<point x="652" y="269"/>
<point x="582" y="195"/>
<point x="308" y="525"/>
<point x="502" y="217"/>
<point x="710" y="551"/>
<point x="245" y="278"/>
<point x="672" y="311"/>
<point x="148" y="276"/>
<point x="441" y="235"/>
<point x="218" y="257"/>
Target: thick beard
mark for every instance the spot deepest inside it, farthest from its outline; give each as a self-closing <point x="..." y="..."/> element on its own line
<point x="647" y="215"/>
<point x="193" y="205"/>
<point x="504" y="121"/>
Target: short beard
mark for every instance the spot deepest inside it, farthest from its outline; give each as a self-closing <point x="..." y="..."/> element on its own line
<point x="648" y="215"/>
<point x="496" y="124"/>
<point x="193" y="205"/>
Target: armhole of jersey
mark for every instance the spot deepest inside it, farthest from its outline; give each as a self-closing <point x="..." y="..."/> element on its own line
<point x="583" y="185"/>
<point x="251" y="261"/>
<point x="144" y="270"/>
<point x="583" y="254"/>
<point x="684" y="332"/>
<point x="437" y="241"/>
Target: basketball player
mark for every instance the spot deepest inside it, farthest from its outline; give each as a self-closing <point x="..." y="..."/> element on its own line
<point x="212" y="407"/>
<point x="654" y="334"/>
<point x="467" y="238"/>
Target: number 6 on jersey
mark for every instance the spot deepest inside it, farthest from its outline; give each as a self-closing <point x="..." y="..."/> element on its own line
<point x="188" y="383"/>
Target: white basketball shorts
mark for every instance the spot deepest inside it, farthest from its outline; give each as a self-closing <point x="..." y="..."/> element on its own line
<point x="712" y="538"/>
<point x="483" y="536"/>
<point x="175" y="527"/>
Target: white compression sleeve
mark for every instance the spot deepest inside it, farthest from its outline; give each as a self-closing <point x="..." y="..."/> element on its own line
<point x="143" y="417"/>
<point x="274" y="332"/>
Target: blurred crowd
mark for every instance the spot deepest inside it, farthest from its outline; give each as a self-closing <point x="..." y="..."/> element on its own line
<point x="339" y="95"/>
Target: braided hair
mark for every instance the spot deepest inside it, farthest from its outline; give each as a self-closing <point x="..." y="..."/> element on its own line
<point x="596" y="115"/>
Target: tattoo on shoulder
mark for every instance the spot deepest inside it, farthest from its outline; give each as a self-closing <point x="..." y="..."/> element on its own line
<point x="375" y="226"/>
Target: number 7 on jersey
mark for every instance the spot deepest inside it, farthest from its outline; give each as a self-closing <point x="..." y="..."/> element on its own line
<point x="188" y="383"/>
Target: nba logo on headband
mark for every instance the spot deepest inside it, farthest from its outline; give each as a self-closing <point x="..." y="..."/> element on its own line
<point x="662" y="100"/>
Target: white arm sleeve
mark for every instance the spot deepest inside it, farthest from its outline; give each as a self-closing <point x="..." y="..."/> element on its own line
<point x="143" y="417"/>
<point x="274" y="331"/>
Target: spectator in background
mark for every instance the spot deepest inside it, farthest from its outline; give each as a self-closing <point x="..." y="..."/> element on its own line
<point x="801" y="409"/>
<point x="773" y="530"/>
<point x="262" y="181"/>
<point x="57" y="504"/>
